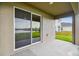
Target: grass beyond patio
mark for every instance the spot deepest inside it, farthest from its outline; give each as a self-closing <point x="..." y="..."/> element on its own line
<point x="65" y="36"/>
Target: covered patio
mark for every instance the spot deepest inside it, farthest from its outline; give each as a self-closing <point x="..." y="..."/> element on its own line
<point x="16" y="16"/>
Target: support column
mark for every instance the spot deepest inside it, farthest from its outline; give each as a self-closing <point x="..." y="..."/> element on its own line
<point x="6" y="29"/>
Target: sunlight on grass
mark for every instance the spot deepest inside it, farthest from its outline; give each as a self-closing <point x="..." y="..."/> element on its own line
<point x="35" y="34"/>
<point x="65" y="36"/>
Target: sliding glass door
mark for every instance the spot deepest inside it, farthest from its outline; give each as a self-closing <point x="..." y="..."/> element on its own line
<point x="35" y="28"/>
<point x="27" y="28"/>
<point x="22" y="28"/>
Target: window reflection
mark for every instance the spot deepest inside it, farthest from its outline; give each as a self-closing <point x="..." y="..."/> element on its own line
<point x="22" y="29"/>
<point x="35" y="28"/>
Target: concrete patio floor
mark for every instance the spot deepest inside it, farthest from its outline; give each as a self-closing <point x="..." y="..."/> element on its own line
<point x="24" y="42"/>
<point x="50" y="48"/>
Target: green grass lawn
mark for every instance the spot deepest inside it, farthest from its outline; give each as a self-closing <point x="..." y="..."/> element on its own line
<point x="35" y="34"/>
<point x="65" y="36"/>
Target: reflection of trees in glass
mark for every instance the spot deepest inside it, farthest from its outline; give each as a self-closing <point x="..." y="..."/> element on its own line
<point x="36" y="29"/>
<point x="22" y="28"/>
<point x="39" y="29"/>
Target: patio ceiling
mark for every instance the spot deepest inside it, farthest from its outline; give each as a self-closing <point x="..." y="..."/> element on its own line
<point x="55" y="9"/>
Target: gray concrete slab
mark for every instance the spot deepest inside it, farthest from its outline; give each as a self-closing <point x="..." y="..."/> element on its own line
<point x="50" y="48"/>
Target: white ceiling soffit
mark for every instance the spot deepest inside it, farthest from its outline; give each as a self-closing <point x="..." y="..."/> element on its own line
<point x="56" y="8"/>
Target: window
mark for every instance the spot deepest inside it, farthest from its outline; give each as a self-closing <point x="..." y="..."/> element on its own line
<point x="35" y="28"/>
<point x="27" y="29"/>
<point x="22" y="28"/>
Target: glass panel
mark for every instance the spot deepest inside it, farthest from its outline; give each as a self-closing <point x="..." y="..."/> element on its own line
<point x="22" y="28"/>
<point x="35" y="28"/>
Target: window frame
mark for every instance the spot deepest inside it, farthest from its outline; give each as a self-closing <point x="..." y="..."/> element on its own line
<point x="20" y="48"/>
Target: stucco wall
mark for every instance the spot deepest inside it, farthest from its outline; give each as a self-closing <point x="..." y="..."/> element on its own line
<point x="77" y="26"/>
<point x="77" y="29"/>
<point x="75" y="7"/>
<point x="48" y="29"/>
<point x="7" y="26"/>
<point x="76" y="11"/>
<point x="6" y="29"/>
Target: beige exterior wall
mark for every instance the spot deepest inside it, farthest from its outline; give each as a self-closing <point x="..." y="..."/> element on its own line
<point x="7" y="26"/>
<point x="77" y="26"/>
<point x="75" y="7"/>
<point x="48" y="29"/>
<point x="6" y="29"/>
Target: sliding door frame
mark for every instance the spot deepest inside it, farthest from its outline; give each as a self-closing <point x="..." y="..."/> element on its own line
<point x="40" y="28"/>
<point x="20" y="48"/>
